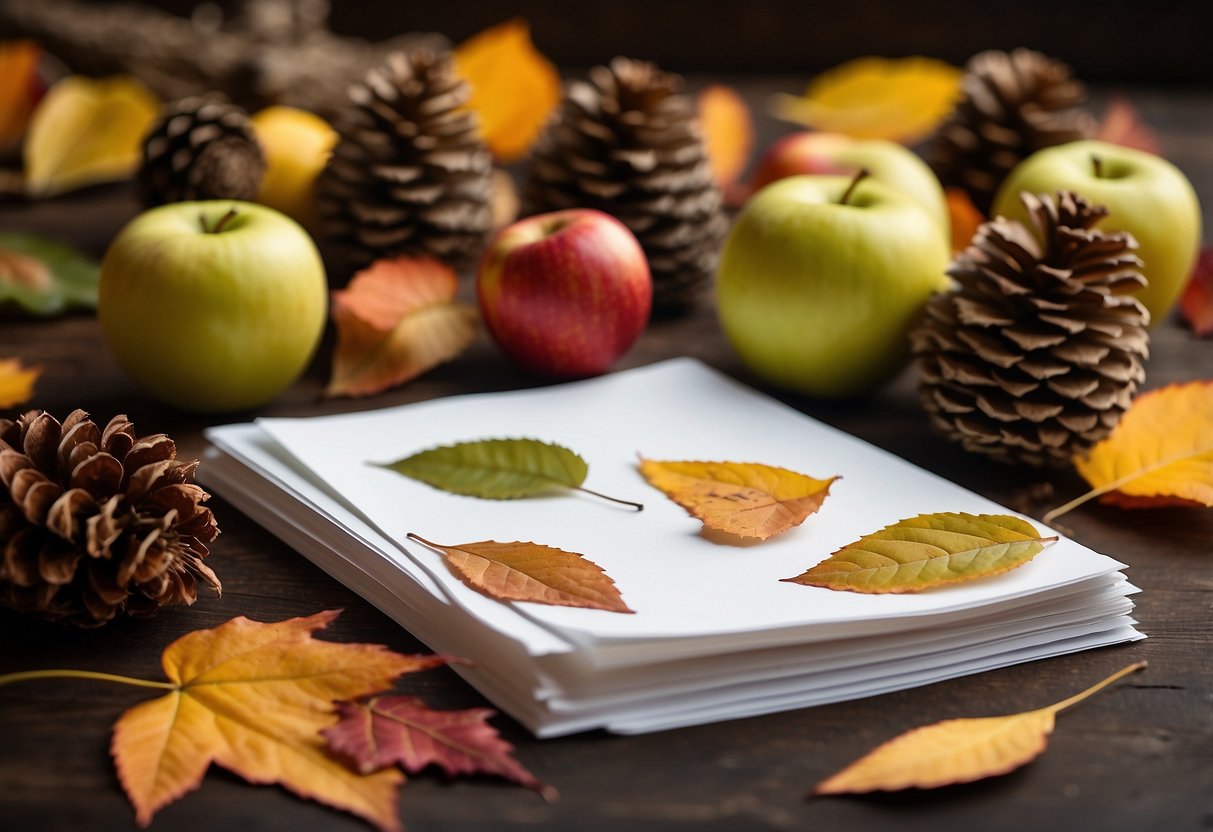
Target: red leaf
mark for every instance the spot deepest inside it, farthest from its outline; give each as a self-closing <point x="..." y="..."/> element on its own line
<point x="1196" y="303"/>
<point x="401" y="729"/>
<point x="1123" y="125"/>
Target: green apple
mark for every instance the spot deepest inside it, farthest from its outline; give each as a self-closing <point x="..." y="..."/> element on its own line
<point x="819" y="282"/>
<point x="810" y="152"/>
<point x="213" y="306"/>
<point x="1145" y="195"/>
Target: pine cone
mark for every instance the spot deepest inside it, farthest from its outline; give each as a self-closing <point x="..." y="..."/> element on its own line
<point x="1038" y="352"/>
<point x="201" y="148"/>
<point x="626" y="143"/>
<point x="1011" y="105"/>
<point x="94" y="522"/>
<point x="410" y="175"/>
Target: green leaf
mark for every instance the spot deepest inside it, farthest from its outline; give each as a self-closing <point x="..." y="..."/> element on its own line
<point x="496" y="469"/>
<point x="927" y="551"/>
<point x="42" y="277"/>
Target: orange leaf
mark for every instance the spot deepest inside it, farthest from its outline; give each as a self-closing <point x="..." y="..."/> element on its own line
<point x="745" y="499"/>
<point x="514" y="87"/>
<point x="397" y="319"/>
<point x="253" y="698"/>
<point x="16" y="382"/>
<point x="19" y="87"/>
<point x="728" y="132"/>
<point x="965" y="218"/>
<point x="531" y="572"/>
<point x="1122" y="125"/>
<point x="1196" y="303"/>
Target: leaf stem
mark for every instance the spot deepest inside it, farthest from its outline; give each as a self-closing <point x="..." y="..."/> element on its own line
<point x="32" y="675"/>
<point x="1115" y="484"/>
<point x="1078" y="697"/>
<point x="422" y="540"/>
<point x="637" y="506"/>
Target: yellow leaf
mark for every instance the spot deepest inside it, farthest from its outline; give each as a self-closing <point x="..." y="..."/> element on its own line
<point x="899" y="99"/>
<point x="1161" y="453"/>
<point x="18" y="88"/>
<point x="956" y="750"/>
<point x="16" y="382"/>
<point x="86" y="131"/>
<point x="728" y="132"/>
<point x="297" y="145"/>
<point x="746" y="499"/>
<point x="514" y="87"/>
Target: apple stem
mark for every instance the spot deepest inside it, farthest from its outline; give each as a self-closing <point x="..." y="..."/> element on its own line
<point x="637" y="506"/>
<point x="860" y="175"/>
<point x="1097" y="163"/>
<point x="220" y="225"/>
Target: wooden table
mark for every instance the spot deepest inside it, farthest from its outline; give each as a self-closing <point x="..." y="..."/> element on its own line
<point x="1137" y="757"/>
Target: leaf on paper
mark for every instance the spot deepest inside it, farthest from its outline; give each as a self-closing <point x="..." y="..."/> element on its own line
<point x="496" y="469"/>
<point x="253" y="698"/>
<point x="927" y="551"/>
<point x="86" y="131"/>
<point x="899" y="99"/>
<point x="42" y="277"/>
<point x="531" y="572"/>
<point x="390" y="730"/>
<point x="397" y="319"/>
<point x="956" y="750"/>
<point x="514" y="87"/>
<point x="16" y="382"/>
<point x="728" y="132"/>
<point x="746" y="499"/>
<point x="1123" y="125"/>
<point x="19" y="88"/>
<point x="1196" y="303"/>
<point x="965" y="218"/>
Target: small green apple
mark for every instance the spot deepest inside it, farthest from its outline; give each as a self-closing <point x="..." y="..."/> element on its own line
<point x="820" y="280"/>
<point x="1145" y="195"/>
<point x="213" y="306"/>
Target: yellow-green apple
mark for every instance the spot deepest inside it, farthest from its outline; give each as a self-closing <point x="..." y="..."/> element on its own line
<point x="565" y="294"/>
<point x="809" y="152"/>
<point x="1145" y="195"/>
<point x="821" y="279"/>
<point x="213" y="306"/>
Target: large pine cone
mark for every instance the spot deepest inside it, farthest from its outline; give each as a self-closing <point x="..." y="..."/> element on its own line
<point x="95" y="522"/>
<point x="1011" y="105"/>
<point x="410" y="175"/>
<point x="1038" y="352"/>
<point x="625" y="142"/>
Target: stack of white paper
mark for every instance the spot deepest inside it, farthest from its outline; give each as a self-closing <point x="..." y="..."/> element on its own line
<point x="716" y="635"/>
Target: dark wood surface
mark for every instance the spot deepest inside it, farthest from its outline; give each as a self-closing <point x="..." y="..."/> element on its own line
<point x="1137" y="757"/>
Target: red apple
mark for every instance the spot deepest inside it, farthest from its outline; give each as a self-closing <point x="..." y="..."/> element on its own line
<point x="565" y="294"/>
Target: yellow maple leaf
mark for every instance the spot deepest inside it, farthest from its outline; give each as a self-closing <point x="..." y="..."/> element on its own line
<point x="86" y="131"/>
<point x="514" y="87"/>
<point x="745" y="499"/>
<point x="898" y="99"/>
<point x="16" y="382"/>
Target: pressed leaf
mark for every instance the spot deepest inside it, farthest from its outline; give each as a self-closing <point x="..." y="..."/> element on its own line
<point x="253" y="698"/>
<point x="746" y="499"/>
<point x="965" y="218"/>
<point x="899" y="99"/>
<point x="531" y="572"/>
<point x="19" y="88"/>
<point x="16" y="382"/>
<point x="728" y="132"/>
<point x="390" y="730"/>
<point x="927" y="551"/>
<point x="1161" y="453"/>
<point x="1196" y="303"/>
<point x="43" y="277"/>
<point x="397" y="319"/>
<point x="1123" y="125"/>
<point x="514" y="87"/>
<point x="957" y="750"/>
<point x="86" y="131"/>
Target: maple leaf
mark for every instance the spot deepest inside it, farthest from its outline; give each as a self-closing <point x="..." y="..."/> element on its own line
<point x="1196" y="303"/>
<point x="927" y="551"/>
<point x="16" y="382"/>
<point x="957" y="750"/>
<point x="1123" y="125"/>
<point x="43" y="277"/>
<point x="965" y="218"/>
<point x="387" y="730"/>
<point x="397" y="319"/>
<point x="745" y="499"/>
<point x="531" y="572"/>
<point x="898" y="99"/>
<point x="19" y="88"/>
<point x="728" y="132"/>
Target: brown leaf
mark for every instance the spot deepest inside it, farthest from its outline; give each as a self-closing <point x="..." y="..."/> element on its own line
<point x="388" y="730"/>
<point x="966" y="218"/>
<point x="531" y="572"/>
<point x="1196" y="303"/>
<point x="397" y="319"/>
<point x="16" y="382"/>
<point x="19" y="88"/>
<point x="1123" y="125"/>
<point x="728" y="132"/>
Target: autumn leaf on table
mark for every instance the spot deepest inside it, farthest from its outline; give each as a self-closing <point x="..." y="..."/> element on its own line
<point x="745" y="499"/>
<point x="500" y="469"/>
<point x="1161" y="453"/>
<point x="1196" y="303"/>
<point x="728" y="133"/>
<point x="898" y="99"/>
<point x="965" y="218"/>
<point x="397" y="319"/>
<point x="957" y="750"/>
<point x="19" y="88"/>
<point x="86" y="131"/>
<point x="514" y="87"/>
<point x="531" y="572"/>
<point x="927" y="551"/>
<point x="1123" y="125"/>
<point x="390" y="730"/>
<point x="42" y="277"/>
<point x="16" y="382"/>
